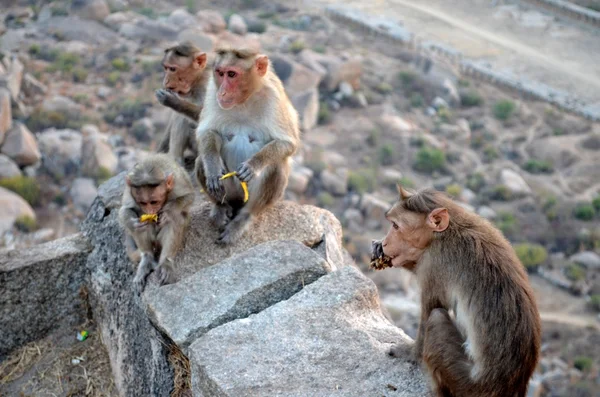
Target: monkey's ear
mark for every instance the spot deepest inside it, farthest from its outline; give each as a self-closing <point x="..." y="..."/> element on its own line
<point x="201" y="60"/>
<point x="404" y="194"/>
<point x="128" y="180"/>
<point x="170" y="181"/>
<point x="438" y="219"/>
<point x="262" y="65"/>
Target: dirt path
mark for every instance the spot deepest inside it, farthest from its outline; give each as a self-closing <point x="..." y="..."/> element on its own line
<point x="527" y="42"/>
<point x="581" y="321"/>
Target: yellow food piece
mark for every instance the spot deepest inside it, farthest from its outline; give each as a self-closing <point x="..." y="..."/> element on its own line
<point x="244" y="184"/>
<point x="149" y="218"/>
<point x="229" y="175"/>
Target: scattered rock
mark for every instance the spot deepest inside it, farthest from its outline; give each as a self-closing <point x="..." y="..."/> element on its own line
<point x="12" y="207"/>
<point x="96" y="10"/>
<point x="8" y="168"/>
<point x="83" y="192"/>
<point x="5" y="113"/>
<point x="237" y="25"/>
<point x="336" y="316"/>
<point x="96" y="153"/>
<point x="146" y="29"/>
<point x="336" y="182"/>
<point x="299" y="179"/>
<point x="211" y="21"/>
<point x="142" y="130"/>
<point x="307" y="105"/>
<point x="103" y="92"/>
<point x="588" y="259"/>
<point x="182" y="19"/>
<point x="14" y="78"/>
<point x="59" y="103"/>
<point x="439" y="103"/>
<point x="32" y="87"/>
<point x="196" y="36"/>
<point x="487" y="212"/>
<point x="61" y="151"/>
<point x="514" y="182"/>
<point x="374" y="209"/>
<point x="73" y="28"/>
<point x="20" y="145"/>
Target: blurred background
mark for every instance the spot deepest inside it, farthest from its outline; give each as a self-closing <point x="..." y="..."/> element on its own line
<point x="495" y="102"/>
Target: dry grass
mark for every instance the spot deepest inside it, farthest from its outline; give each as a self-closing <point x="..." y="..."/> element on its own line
<point x="182" y="374"/>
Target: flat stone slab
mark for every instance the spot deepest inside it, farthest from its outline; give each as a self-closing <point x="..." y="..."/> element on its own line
<point x="330" y="339"/>
<point x="244" y="284"/>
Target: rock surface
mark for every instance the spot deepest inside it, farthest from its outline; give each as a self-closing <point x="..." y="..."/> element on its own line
<point x="20" y="145"/>
<point x="40" y="290"/>
<point x="83" y="192"/>
<point x="8" y="168"/>
<point x="308" y="346"/>
<point x="12" y="206"/>
<point x="5" y="113"/>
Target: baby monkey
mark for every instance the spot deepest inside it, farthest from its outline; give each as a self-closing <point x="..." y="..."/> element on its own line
<point x="491" y="345"/>
<point x="154" y="213"/>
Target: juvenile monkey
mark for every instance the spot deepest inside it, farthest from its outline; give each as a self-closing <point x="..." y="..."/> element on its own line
<point x="248" y="125"/>
<point x="491" y="345"/>
<point x="158" y="188"/>
<point x="184" y="86"/>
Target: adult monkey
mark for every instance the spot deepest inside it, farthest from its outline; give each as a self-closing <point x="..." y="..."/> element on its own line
<point x="184" y="86"/>
<point x="464" y="264"/>
<point x="249" y="126"/>
<point x="154" y="213"/>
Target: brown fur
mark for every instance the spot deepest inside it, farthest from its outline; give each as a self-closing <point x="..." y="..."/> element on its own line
<point x="161" y="179"/>
<point x="255" y="136"/>
<point x="465" y="265"/>
<point x="184" y="87"/>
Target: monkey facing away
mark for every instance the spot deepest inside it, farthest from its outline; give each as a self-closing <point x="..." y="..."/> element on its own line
<point x="184" y="86"/>
<point x="491" y="346"/>
<point x="154" y="213"/>
<point x="248" y="126"/>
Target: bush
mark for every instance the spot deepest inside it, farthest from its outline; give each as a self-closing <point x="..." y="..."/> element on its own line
<point x="324" y="116"/>
<point x="25" y="224"/>
<point x="102" y="175"/>
<point x="374" y="137"/>
<point x="148" y="12"/>
<point x="596" y="203"/>
<point x="40" y="120"/>
<point x="475" y="182"/>
<point x="501" y="193"/>
<point x="120" y="64"/>
<point x="386" y="154"/>
<point x="583" y="363"/>
<point x="504" y="109"/>
<point x="320" y="49"/>
<point x="113" y="78"/>
<point x="257" y="27"/>
<point x="584" y="212"/>
<point x="444" y="114"/>
<point x="490" y="153"/>
<point x="65" y="62"/>
<point x="190" y="5"/>
<point x="454" y="190"/>
<point x="506" y="222"/>
<point x="549" y="208"/>
<point x="130" y="110"/>
<point x="416" y="100"/>
<point x="24" y="186"/>
<point x="325" y="199"/>
<point x="470" y="98"/>
<point x="34" y="50"/>
<point x="361" y="181"/>
<point x="317" y="166"/>
<point x="531" y="255"/>
<point x="407" y="78"/>
<point x="384" y="88"/>
<point x="430" y="160"/>
<point x="575" y="272"/>
<point x="79" y="75"/>
<point x="595" y="302"/>
<point x="538" y="167"/>
<point x="297" y="46"/>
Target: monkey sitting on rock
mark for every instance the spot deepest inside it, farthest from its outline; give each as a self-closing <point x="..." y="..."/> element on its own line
<point x="155" y="215"/>
<point x="490" y="346"/>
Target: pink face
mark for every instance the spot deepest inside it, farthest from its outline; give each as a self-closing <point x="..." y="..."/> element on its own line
<point x="232" y="90"/>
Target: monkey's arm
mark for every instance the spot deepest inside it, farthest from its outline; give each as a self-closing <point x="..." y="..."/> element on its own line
<point x="188" y="109"/>
<point x="163" y="145"/>
<point x="274" y="152"/>
<point x="210" y="143"/>
<point x="129" y="219"/>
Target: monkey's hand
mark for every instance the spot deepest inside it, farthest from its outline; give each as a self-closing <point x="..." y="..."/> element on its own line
<point x="215" y="187"/>
<point x="137" y="225"/>
<point x="164" y="272"/>
<point x="376" y="250"/>
<point x="167" y="98"/>
<point x="246" y="172"/>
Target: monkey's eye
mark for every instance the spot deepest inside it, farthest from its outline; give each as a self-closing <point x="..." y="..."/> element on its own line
<point x="231" y="74"/>
<point x="153" y="202"/>
<point x="221" y="73"/>
<point x="172" y="69"/>
<point x="395" y="225"/>
<point x="143" y="203"/>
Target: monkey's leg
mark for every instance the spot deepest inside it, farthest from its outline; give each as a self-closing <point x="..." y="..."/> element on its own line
<point x="171" y="238"/>
<point x="146" y="266"/>
<point x="446" y="360"/>
<point x="221" y="212"/>
<point x="132" y="250"/>
<point x="143" y="239"/>
<point x="264" y="191"/>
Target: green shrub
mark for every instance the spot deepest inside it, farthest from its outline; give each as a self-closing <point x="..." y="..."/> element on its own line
<point x="148" y="12"/>
<point x="25" y="224"/>
<point x="325" y="199"/>
<point x="504" y="109"/>
<point x="64" y="62"/>
<point x="120" y="64"/>
<point x="475" y="181"/>
<point x="386" y="154"/>
<point x="59" y="10"/>
<point x="416" y="141"/>
<point x="575" y="272"/>
<point x="506" y="222"/>
<point x="361" y="181"/>
<point x="596" y="203"/>
<point x="538" y="167"/>
<point x="320" y="49"/>
<point x="384" y="88"/>
<point x="407" y="182"/>
<point x="490" y="153"/>
<point x="374" y="137"/>
<point x="584" y="212"/>
<point x="430" y="160"/>
<point x="501" y="193"/>
<point x="102" y="175"/>
<point x="190" y="5"/>
<point x="324" y="116"/>
<point x="416" y="100"/>
<point x="257" y="27"/>
<point x="470" y="98"/>
<point x="583" y="363"/>
<point x="595" y="302"/>
<point x="297" y="46"/>
<point x="60" y="199"/>
<point x="34" y="50"/>
<point x="79" y="75"/>
<point x="444" y="114"/>
<point x="454" y="190"/>
<point x="81" y="99"/>
<point x="24" y="186"/>
<point x="531" y="255"/>
<point x="130" y="109"/>
<point x="407" y="78"/>
<point x="317" y="166"/>
<point x="549" y="208"/>
<point x="113" y="78"/>
<point x="463" y="83"/>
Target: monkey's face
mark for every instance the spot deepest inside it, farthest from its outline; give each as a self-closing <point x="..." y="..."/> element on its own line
<point x="407" y="238"/>
<point x="150" y="199"/>
<point x="181" y="73"/>
<point x="237" y="79"/>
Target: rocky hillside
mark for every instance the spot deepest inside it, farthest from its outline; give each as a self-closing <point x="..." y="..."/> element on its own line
<point x="77" y="81"/>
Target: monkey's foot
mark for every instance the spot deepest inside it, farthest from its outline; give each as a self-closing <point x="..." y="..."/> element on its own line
<point x="221" y="215"/>
<point x="234" y="229"/>
<point x="163" y="275"/>
<point x="403" y="350"/>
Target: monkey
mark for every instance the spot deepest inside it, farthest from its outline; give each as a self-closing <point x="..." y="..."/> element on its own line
<point x="490" y="346"/>
<point x="184" y="86"/>
<point x="249" y="126"/>
<point x="158" y="188"/>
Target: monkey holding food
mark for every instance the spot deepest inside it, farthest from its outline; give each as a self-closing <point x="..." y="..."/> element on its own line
<point x="154" y="213"/>
<point x="184" y="87"/>
<point x="491" y="345"/>
<point x="248" y="128"/>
